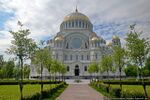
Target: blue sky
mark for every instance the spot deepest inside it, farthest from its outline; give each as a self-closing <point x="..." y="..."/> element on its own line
<point x="43" y="17"/>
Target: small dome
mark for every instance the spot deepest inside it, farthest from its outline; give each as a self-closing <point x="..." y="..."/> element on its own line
<point x="109" y="44"/>
<point x="59" y="38"/>
<point x="95" y="38"/>
<point x="76" y="16"/>
<point x="115" y="37"/>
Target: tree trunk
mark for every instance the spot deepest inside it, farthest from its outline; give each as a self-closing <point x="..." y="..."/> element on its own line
<point x="144" y="87"/>
<point x="21" y="81"/>
<point x="41" y="82"/>
<point x="108" y="81"/>
<point x="120" y="78"/>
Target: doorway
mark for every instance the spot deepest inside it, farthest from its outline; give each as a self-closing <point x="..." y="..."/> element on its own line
<point x="77" y="70"/>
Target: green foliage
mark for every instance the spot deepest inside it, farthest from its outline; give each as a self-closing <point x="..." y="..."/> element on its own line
<point x="93" y="68"/>
<point x="106" y="64"/>
<point x="26" y="70"/>
<point x="131" y="70"/>
<point x="147" y="64"/>
<point x="16" y="72"/>
<point x="145" y="72"/>
<point x="8" y="69"/>
<point x="119" y="57"/>
<point x="128" y="91"/>
<point x="30" y="92"/>
<point x="137" y="48"/>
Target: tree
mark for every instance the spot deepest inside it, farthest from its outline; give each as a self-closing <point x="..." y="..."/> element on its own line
<point x="40" y="60"/>
<point x="63" y="70"/>
<point x="48" y="62"/>
<point x="26" y="70"/>
<point x="119" y="59"/>
<point x="55" y="68"/>
<point x="22" y="47"/>
<point x="93" y="68"/>
<point x="130" y="70"/>
<point x="137" y="48"/>
<point x="16" y="72"/>
<point x="106" y="63"/>
<point x="147" y="64"/>
<point x="8" y="69"/>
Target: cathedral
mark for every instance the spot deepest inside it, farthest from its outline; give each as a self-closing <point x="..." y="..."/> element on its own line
<point x="77" y="45"/>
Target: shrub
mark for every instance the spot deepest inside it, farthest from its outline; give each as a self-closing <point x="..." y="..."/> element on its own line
<point x="132" y="94"/>
<point x="45" y="93"/>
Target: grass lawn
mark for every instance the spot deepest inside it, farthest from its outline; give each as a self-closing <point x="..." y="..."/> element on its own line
<point x="134" y="87"/>
<point x="11" y="92"/>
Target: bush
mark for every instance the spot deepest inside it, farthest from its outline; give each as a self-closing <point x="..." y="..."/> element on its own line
<point x="132" y="94"/>
<point x="45" y="93"/>
<point x="116" y="92"/>
<point x="14" y="82"/>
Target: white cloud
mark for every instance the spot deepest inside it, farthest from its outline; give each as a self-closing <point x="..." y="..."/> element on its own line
<point x="43" y="17"/>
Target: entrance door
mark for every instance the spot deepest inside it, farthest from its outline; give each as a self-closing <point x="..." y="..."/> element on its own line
<point x="76" y="71"/>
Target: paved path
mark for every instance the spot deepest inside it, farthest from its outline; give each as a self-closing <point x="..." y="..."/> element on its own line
<point x="80" y="92"/>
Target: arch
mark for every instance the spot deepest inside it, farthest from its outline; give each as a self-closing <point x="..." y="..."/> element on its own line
<point x="76" y="70"/>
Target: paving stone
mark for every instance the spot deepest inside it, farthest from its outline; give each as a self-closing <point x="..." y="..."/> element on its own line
<point x="80" y="92"/>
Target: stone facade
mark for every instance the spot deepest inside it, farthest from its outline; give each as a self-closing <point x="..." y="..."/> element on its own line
<point x="77" y="45"/>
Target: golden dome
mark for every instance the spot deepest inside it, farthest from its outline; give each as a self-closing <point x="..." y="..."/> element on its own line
<point x="59" y="38"/>
<point x="109" y="44"/>
<point x="115" y="37"/>
<point x="95" y="38"/>
<point x="76" y="15"/>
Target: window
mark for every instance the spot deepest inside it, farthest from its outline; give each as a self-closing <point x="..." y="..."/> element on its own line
<point x="68" y="69"/>
<point x="70" y="57"/>
<point x="85" y="68"/>
<point x="85" y="45"/>
<point x="76" y="23"/>
<point x="82" y="57"/>
<point x="73" y="24"/>
<point x="96" y="56"/>
<point x="79" y="24"/>
<point x="66" y="57"/>
<point x="86" y="25"/>
<point x="76" y="57"/>
<point x="83" y="25"/>
<point x="88" y="58"/>
<point x="67" y="46"/>
<point x="56" y="55"/>
<point x="69" y="24"/>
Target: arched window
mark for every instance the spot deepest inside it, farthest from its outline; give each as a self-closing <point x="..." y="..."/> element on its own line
<point x="76" y="23"/>
<point x="67" y="46"/>
<point x="85" y="45"/>
<point x="70" y="57"/>
<point x="85" y="68"/>
<point x="82" y="24"/>
<point x="96" y="56"/>
<point x="66" y="57"/>
<point x="79" y="24"/>
<point x="82" y="57"/>
<point x="88" y="57"/>
<point x="72" y="23"/>
<point x="76" y="57"/>
<point x="68" y="68"/>
<point x="86" y="25"/>
<point x="69" y="24"/>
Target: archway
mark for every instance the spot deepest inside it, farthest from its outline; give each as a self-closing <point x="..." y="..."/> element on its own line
<point x="76" y="70"/>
